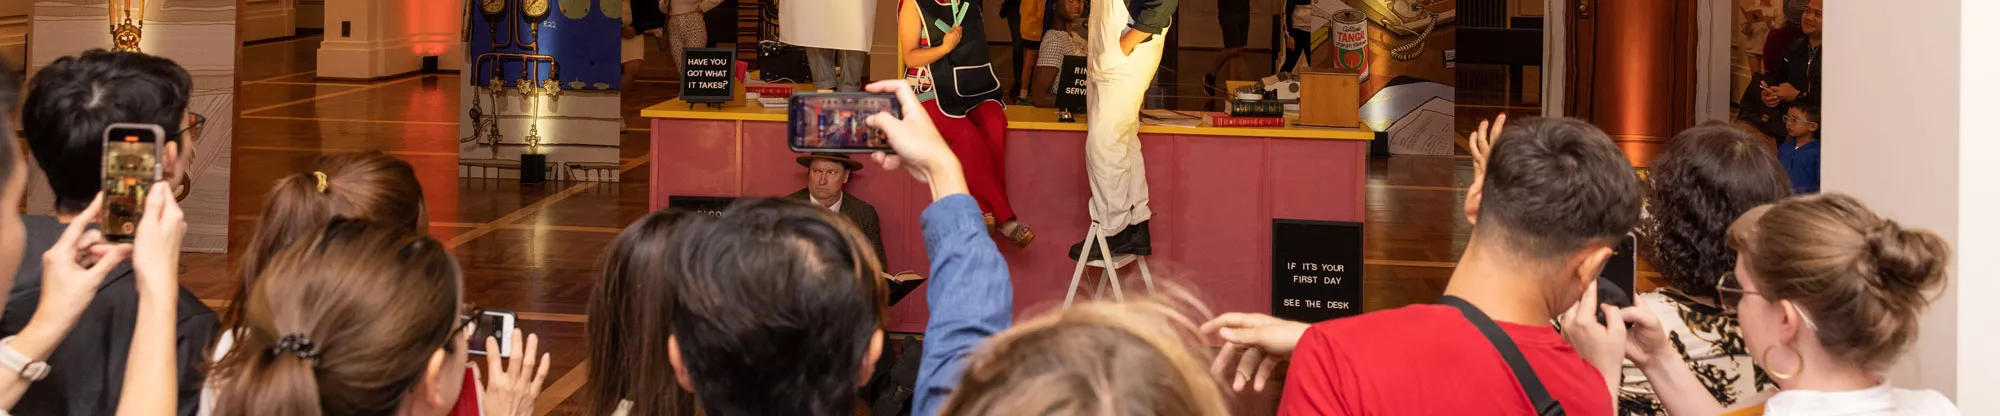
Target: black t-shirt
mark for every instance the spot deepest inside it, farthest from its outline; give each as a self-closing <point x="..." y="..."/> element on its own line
<point x="87" y="370"/>
<point x="1801" y="69"/>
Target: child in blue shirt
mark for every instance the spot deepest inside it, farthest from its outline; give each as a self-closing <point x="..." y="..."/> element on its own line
<point x="1800" y="152"/>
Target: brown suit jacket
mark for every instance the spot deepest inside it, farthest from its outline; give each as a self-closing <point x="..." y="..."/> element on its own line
<point x="863" y="216"/>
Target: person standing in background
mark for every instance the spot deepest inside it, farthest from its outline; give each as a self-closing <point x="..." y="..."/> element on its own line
<point x="1298" y="34"/>
<point x="836" y="35"/>
<point x="1234" y="16"/>
<point x="1126" y="39"/>
<point x="685" y="27"/>
<point x="1027" y="29"/>
<point x="638" y="21"/>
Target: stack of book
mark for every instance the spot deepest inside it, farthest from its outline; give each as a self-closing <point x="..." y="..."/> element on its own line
<point x="779" y="91"/>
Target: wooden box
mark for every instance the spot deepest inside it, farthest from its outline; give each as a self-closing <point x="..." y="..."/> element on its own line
<point x="1329" y="99"/>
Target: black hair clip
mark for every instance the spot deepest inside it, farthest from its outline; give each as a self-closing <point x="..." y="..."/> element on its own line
<point x="297" y="344"/>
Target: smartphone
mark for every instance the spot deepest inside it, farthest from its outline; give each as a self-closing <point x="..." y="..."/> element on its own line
<point x="496" y="323"/>
<point x="837" y="122"/>
<point x="131" y="165"/>
<point x="1617" y="284"/>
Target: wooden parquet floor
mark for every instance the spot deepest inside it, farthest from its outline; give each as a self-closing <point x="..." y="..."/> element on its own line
<point x="536" y="248"/>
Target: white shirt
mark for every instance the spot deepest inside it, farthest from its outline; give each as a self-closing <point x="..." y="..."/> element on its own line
<point x="836" y="203"/>
<point x="847" y="25"/>
<point x="1879" y="400"/>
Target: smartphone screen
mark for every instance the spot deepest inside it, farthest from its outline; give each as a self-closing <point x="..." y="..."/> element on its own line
<point x="837" y="122"/>
<point x="131" y="165"/>
<point x="491" y="323"/>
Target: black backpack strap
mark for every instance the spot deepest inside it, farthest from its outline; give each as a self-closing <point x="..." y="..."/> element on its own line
<point x="1530" y="383"/>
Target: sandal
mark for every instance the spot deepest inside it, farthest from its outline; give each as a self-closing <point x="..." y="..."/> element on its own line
<point x="1021" y="236"/>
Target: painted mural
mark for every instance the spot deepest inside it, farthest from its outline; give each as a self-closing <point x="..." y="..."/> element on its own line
<point x="1403" y="49"/>
<point x="572" y="42"/>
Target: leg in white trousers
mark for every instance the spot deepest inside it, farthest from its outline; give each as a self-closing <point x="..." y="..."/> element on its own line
<point x="1118" y="85"/>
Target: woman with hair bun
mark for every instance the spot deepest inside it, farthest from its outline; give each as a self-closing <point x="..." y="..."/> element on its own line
<point x="1828" y="294"/>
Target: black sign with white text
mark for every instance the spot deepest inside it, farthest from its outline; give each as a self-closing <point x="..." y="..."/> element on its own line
<point x="708" y="75"/>
<point x="1072" y="84"/>
<point x="1315" y="269"/>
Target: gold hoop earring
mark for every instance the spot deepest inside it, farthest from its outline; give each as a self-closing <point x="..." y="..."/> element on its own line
<point x="1766" y="355"/>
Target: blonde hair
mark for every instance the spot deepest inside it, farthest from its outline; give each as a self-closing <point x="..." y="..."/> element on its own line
<point x="1099" y="358"/>
<point x="1863" y="280"/>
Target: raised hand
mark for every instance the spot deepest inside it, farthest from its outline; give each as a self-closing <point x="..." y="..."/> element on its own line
<point x="919" y="148"/>
<point x="75" y="266"/>
<point x="1646" y="340"/>
<point x="510" y="390"/>
<point x="1254" y="345"/>
<point x="1600" y="343"/>
<point x="1480" y="145"/>
<point x="156" y="245"/>
<point x="952" y="37"/>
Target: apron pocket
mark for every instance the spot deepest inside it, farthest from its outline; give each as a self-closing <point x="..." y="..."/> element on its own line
<point x="974" y="81"/>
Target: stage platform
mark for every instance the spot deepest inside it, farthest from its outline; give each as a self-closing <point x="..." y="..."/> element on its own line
<point x="1214" y="194"/>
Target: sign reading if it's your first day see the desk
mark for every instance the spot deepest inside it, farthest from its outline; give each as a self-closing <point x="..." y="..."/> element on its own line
<point x="707" y="75"/>
<point x="1315" y="269"/>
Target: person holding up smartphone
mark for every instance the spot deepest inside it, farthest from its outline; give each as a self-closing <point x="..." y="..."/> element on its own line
<point x="1708" y="176"/>
<point x="70" y="105"/>
<point x="962" y="96"/>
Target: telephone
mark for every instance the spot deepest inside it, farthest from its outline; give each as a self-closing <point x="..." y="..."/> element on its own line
<point x="1408" y="17"/>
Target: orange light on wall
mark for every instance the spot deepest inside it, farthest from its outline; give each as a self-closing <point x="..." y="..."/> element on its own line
<point x="1635" y="74"/>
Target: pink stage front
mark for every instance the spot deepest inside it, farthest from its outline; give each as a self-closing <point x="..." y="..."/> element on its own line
<point x="1214" y="194"/>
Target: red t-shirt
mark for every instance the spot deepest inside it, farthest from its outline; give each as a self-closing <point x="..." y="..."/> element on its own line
<point x="1428" y="360"/>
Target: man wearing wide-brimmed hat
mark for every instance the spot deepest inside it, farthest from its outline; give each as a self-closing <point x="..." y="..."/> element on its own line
<point x="826" y="178"/>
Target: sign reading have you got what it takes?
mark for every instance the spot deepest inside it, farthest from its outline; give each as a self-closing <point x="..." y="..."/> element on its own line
<point x="707" y="75"/>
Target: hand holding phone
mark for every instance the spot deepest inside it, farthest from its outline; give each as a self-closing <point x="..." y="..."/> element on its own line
<point x="132" y="157"/>
<point x="492" y="323"/>
<point x="838" y="122"/>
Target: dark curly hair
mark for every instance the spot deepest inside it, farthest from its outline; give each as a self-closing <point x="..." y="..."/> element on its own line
<point x="1708" y="176"/>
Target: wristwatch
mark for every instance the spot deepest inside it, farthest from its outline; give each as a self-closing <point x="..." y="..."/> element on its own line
<point x="19" y="364"/>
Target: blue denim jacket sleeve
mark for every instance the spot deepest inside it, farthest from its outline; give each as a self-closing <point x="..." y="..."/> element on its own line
<point x="970" y="297"/>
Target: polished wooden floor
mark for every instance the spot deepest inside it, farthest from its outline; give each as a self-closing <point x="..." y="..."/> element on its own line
<point x="535" y="248"/>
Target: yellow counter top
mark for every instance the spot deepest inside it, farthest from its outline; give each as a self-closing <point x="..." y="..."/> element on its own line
<point x="1019" y="117"/>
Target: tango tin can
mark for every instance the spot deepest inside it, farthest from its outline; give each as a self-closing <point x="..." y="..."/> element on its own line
<point x="1350" y="40"/>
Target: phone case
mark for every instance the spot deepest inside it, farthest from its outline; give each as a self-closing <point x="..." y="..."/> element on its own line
<point x="121" y="215"/>
<point x="804" y="118"/>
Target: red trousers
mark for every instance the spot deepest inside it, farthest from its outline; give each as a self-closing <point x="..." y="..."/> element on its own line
<point x="980" y="141"/>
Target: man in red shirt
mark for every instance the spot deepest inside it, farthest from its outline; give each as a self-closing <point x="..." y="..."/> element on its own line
<point x="1561" y="196"/>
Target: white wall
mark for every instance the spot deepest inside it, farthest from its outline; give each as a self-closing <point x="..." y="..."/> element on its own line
<point x="389" y="37"/>
<point x="1913" y="150"/>
<point x="268" y="19"/>
<point x="1979" y="235"/>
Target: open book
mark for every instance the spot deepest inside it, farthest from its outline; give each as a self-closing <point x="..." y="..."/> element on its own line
<point x="901" y="284"/>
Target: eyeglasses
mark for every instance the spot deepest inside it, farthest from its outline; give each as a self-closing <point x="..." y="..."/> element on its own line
<point x="194" y="127"/>
<point x="466" y="315"/>
<point x="1796" y="120"/>
<point x="1729" y="290"/>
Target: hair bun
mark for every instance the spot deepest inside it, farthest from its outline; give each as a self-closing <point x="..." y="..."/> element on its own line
<point x="1907" y="261"/>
